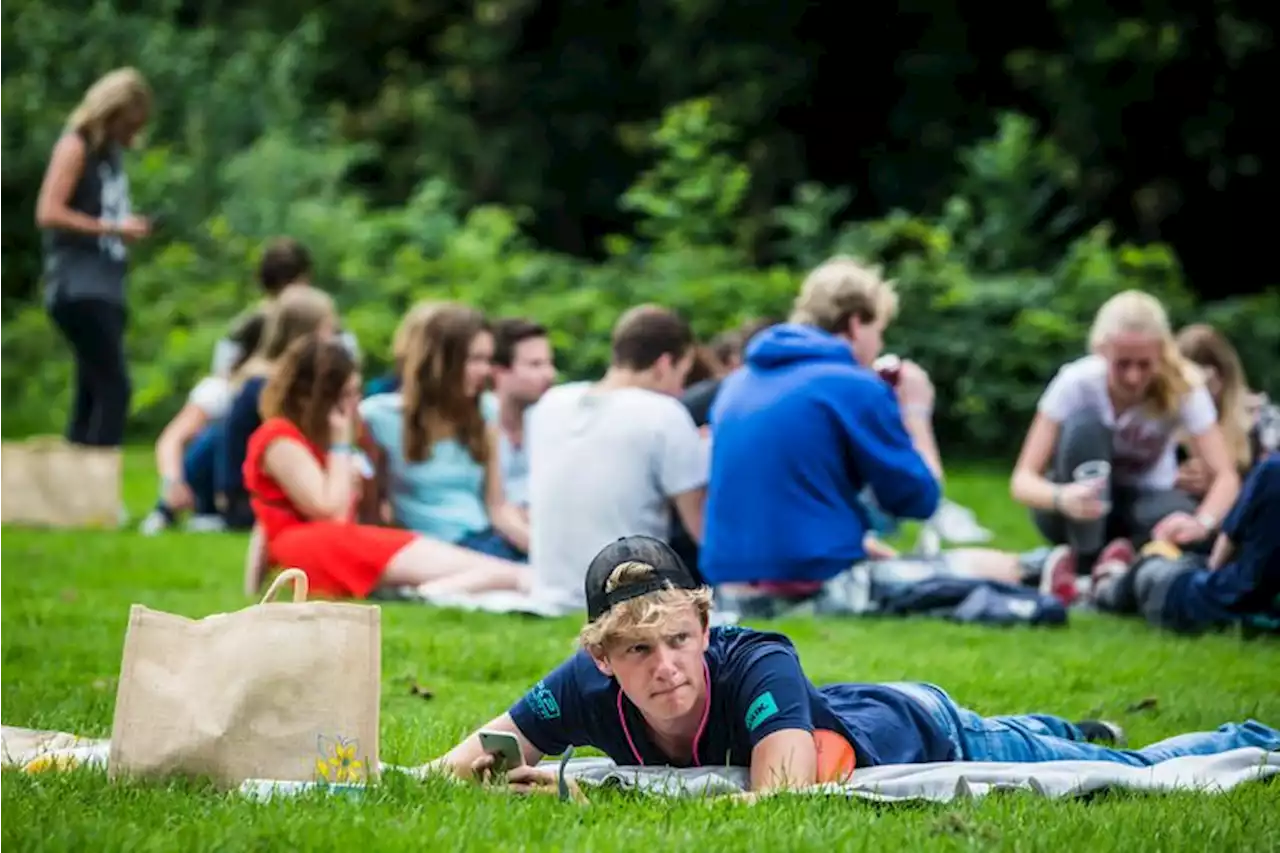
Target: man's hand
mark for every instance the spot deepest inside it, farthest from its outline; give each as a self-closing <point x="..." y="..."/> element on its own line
<point x="542" y="780"/>
<point x="876" y="549"/>
<point x="915" y="391"/>
<point x="532" y="780"/>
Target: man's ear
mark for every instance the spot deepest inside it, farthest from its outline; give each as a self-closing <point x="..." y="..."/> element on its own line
<point x="664" y="364"/>
<point x="602" y="664"/>
<point x="853" y="326"/>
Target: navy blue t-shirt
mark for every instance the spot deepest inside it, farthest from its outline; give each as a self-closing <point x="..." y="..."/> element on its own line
<point x="1250" y="582"/>
<point x="757" y="688"/>
<point x="241" y="421"/>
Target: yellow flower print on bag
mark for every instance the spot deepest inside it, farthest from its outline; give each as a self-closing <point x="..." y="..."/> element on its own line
<point x="338" y="762"/>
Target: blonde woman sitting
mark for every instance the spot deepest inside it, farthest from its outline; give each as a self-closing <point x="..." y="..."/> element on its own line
<point x="1098" y="463"/>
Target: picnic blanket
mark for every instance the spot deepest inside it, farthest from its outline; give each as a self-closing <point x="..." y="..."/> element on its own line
<point x="896" y="587"/>
<point x="940" y="782"/>
<point x="946" y="781"/>
<point x="522" y="604"/>
<point x="498" y="601"/>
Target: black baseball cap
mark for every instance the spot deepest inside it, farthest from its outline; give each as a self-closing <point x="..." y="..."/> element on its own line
<point x="669" y="570"/>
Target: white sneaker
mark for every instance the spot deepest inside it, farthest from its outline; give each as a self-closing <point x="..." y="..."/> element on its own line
<point x="929" y="542"/>
<point x="154" y="523"/>
<point x="206" y="524"/>
<point x="957" y="524"/>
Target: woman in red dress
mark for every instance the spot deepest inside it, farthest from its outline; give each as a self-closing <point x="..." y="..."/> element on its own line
<point x="301" y="476"/>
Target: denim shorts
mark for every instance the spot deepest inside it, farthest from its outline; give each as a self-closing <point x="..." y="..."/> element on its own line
<point x="939" y="704"/>
<point x="492" y="543"/>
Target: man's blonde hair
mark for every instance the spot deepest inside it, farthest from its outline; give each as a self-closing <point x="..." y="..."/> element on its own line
<point x="644" y="612"/>
<point x="841" y="288"/>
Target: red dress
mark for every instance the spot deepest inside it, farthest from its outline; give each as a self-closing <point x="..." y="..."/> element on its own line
<point x="341" y="559"/>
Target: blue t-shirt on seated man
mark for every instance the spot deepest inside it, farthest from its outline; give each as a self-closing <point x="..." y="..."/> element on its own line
<point x="653" y="685"/>
<point x="804" y="426"/>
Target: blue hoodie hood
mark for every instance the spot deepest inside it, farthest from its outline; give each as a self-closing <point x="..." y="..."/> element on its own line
<point x="797" y="435"/>
<point x="791" y="343"/>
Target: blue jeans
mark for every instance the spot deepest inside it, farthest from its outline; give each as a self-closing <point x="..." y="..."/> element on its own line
<point x="1043" y="737"/>
<point x="491" y="542"/>
<point x="197" y="471"/>
<point x="197" y="468"/>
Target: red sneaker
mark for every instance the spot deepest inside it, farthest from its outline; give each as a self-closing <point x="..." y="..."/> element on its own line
<point x="1118" y="550"/>
<point x="1118" y="556"/>
<point x="1058" y="577"/>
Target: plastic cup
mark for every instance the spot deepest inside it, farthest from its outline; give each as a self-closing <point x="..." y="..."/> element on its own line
<point x="1097" y="474"/>
<point x="889" y="367"/>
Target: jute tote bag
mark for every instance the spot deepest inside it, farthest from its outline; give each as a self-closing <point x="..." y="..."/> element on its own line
<point x="49" y="482"/>
<point x="284" y="691"/>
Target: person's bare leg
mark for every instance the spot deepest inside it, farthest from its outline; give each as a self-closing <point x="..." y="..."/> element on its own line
<point x="255" y="562"/>
<point x="442" y="567"/>
<point x="987" y="563"/>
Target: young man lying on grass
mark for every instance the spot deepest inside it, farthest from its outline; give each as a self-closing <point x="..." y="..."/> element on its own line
<point x="653" y="685"/>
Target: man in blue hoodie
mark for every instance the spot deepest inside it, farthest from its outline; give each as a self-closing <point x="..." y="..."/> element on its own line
<point x="799" y="432"/>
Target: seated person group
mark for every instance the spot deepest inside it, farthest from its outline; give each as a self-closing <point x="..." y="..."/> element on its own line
<point x="468" y="470"/>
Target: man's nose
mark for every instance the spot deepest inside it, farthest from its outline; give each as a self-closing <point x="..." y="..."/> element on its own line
<point x="664" y="661"/>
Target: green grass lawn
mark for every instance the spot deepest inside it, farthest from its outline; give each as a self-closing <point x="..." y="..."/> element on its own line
<point x="66" y="598"/>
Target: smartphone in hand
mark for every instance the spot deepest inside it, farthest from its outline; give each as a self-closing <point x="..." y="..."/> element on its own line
<point x="504" y="747"/>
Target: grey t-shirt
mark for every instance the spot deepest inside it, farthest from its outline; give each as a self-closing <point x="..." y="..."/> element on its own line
<point x="603" y="465"/>
<point x="85" y="266"/>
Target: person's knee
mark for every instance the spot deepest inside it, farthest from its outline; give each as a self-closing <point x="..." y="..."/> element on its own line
<point x="1153" y="579"/>
<point x="1085" y="429"/>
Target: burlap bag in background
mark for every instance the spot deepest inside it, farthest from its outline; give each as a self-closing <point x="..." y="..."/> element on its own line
<point x="285" y="691"/>
<point x="49" y="482"/>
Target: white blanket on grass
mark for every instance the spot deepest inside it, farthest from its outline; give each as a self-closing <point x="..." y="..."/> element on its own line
<point x="942" y="782"/>
<point x="524" y="604"/>
<point x="500" y="601"/>
<point x="947" y="781"/>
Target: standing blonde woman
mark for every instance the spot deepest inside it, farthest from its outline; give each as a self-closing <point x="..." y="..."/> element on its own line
<point x="1122" y="405"/>
<point x="83" y="210"/>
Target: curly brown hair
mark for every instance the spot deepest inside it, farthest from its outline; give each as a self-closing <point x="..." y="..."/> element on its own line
<point x="436" y="404"/>
<point x="308" y="382"/>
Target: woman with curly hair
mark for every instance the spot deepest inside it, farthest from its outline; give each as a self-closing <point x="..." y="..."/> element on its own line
<point x="300" y="472"/>
<point x="441" y="452"/>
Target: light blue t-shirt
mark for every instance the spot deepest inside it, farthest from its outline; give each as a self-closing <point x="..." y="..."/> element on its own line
<point x="442" y="497"/>
<point x="513" y="461"/>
